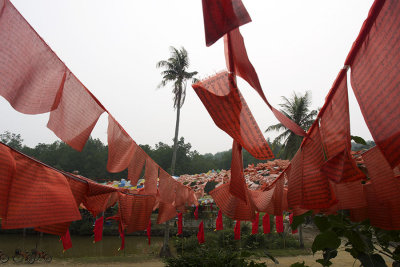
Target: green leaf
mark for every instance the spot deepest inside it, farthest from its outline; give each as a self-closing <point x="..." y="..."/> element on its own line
<point x="322" y="222"/>
<point x="325" y="240"/>
<point x="297" y="220"/>
<point x="374" y="260"/>
<point x="358" y="140"/>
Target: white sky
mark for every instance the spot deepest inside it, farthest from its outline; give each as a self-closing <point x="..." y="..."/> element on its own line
<point x="113" y="48"/>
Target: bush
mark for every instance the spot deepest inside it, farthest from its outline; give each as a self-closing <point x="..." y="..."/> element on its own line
<point x="213" y="257"/>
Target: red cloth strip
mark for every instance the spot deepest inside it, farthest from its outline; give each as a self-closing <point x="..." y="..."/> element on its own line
<point x="279" y="224"/>
<point x="221" y="17"/>
<point x="98" y="229"/>
<point x="254" y="224"/>
<point x="237" y="230"/>
<point x="200" y="234"/>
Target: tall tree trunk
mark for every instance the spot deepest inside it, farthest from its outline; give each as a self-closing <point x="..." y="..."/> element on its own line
<point x="165" y="250"/>
<point x="178" y="114"/>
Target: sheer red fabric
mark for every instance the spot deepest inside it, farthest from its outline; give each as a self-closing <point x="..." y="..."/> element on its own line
<point x="98" y="229"/>
<point x="180" y="223"/>
<point x="26" y="206"/>
<point x="266" y="224"/>
<point x="229" y="110"/>
<point x="238" y="62"/>
<point x="7" y="172"/>
<point x="76" y="115"/>
<point x="166" y="212"/>
<point x="151" y="176"/>
<point x="66" y="241"/>
<point x="279" y="224"/>
<point x="237" y="185"/>
<point x="32" y="75"/>
<point x="237" y="230"/>
<point x="335" y="133"/>
<point x="219" y="225"/>
<point x="135" y="211"/>
<point x="136" y="165"/>
<point x="295" y="181"/>
<point x="316" y="190"/>
<point x="167" y="186"/>
<point x="221" y="17"/>
<point x="232" y="206"/>
<point x="375" y="76"/>
<point x="148" y="232"/>
<point x="200" y="234"/>
<point x="120" y="146"/>
<point x="254" y="224"/>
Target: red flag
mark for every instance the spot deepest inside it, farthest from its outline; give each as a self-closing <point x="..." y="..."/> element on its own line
<point x="237" y="230"/>
<point x="98" y="229"/>
<point x="66" y="241"/>
<point x="148" y="232"/>
<point x="196" y="213"/>
<point x="221" y="17"/>
<point x="266" y="224"/>
<point x="200" y="234"/>
<point x="279" y="223"/>
<point x="254" y="229"/>
<point x="180" y="223"/>
<point x="219" y="224"/>
<point x="211" y="206"/>
<point x="122" y="235"/>
<point x="291" y="220"/>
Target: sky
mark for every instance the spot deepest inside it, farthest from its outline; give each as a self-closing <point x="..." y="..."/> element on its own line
<point x="113" y="47"/>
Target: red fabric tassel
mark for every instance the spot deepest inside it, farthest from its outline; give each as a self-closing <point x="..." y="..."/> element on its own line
<point x="122" y="235"/>
<point x="98" y="229"/>
<point x="254" y="228"/>
<point x="180" y="230"/>
<point x="148" y="232"/>
<point x="266" y="224"/>
<point x="66" y="241"/>
<point x="219" y="225"/>
<point x="237" y="230"/>
<point x="279" y="223"/>
<point x="291" y="220"/>
<point x="200" y="234"/>
<point x="196" y="213"/>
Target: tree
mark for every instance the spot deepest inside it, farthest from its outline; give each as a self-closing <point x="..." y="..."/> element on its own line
<point x="297" y="109"/>
<point x="11" y="139"/>
<point x="175" y="70"/>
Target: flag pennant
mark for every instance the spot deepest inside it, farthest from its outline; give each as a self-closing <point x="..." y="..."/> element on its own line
<point x="180" y="223"/>
<point x="200" y="234"/>
<point x="98" y="229"/>
<point x="279" y="224"/>
<point x="66" y="241"/>
<point x="148" y="232"/>
<point x="237" y="230"/>
<point x="219" y="225"/>
<point x="221" y="17"/>
<point x="254" y="224"/>
<point x="266" y="224"/>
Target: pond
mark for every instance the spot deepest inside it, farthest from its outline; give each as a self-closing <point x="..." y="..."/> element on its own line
<point x="82" y="246"/>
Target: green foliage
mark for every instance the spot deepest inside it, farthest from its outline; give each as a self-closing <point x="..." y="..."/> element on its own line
<point x="210" y="185"/>
<point x="358" y="140"/>
<point x="206" y="256"/>
<point x="363" y="241"/>
<point x="11" y="139"/>
<point x="297" y="109"/>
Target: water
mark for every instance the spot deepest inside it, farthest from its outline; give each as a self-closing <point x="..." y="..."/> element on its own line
<point x="82" y="246"/>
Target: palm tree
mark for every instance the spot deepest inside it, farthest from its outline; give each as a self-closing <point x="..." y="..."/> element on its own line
<point x="175" y="70"/>
<point x="297" y="109"/>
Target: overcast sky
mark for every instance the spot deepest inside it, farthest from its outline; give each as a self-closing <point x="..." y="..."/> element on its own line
<point x="113" y="48"/>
